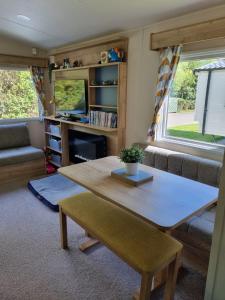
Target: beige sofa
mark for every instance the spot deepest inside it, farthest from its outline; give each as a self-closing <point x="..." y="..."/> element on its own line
<point x="196" y="234"/>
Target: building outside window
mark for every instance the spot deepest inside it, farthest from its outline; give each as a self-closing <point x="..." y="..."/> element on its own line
<point x="195" y="109"/>
<point x="18" y="98"/>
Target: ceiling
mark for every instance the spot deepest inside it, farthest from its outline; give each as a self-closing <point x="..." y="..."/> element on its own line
<point x="55" y="22"/>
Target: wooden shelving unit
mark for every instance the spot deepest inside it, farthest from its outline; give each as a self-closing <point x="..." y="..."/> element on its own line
<point x="61" y="137"/>
<point x="79" y="124"/>
<point x="54" y="163"/>
<point x="55" y="150"/>
<point x="87" y="67"/>
<point x="107" y="98"/>
<point x="53" y="134"/>
<point x="103" y="106"/>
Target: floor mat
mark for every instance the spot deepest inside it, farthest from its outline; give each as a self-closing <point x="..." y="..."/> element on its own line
<point x="50" y="190"/>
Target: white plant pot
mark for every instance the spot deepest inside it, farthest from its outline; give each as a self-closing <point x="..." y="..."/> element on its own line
<point x="132" y="168"/>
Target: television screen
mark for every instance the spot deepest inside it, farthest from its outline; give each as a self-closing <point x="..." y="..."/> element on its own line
<point x="70" y="96"/>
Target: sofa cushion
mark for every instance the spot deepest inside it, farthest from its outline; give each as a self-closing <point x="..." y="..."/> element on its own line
<point x="175" y="161"/>
<point x="202" y="229"/>
<point x="186" y="165"/>
<point x="198" y="230"/>
<point x="209" y="171"/>
<point x="19" y="155"/>
<point x="14" y="135"/>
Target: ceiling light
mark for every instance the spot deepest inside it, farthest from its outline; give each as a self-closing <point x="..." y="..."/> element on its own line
<point x="23" y="18"/>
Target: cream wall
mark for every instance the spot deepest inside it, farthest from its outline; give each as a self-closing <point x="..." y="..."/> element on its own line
<point x="142" y="76"/>
<point x="11" y="46"/>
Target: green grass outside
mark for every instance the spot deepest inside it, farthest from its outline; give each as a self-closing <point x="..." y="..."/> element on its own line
<point x="191" y="131"/>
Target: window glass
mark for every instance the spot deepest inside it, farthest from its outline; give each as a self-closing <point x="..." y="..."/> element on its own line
<point x="18" y="98"/>
<point x="196" y="107"/>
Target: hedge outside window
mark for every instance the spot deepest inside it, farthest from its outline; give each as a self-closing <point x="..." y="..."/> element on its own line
<point x="18" y="97"/>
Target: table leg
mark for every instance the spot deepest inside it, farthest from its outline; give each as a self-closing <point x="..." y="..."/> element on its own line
<point x="159" y="278"/>
<point x="88" y="244"/>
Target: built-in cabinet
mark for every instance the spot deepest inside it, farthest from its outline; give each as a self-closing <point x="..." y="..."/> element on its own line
<point x="106" y="93"/>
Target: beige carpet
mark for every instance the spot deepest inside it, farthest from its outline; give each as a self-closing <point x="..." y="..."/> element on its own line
<point x="33" y="267"/>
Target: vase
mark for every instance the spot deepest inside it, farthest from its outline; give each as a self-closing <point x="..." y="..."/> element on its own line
<point x="132" y="168"/>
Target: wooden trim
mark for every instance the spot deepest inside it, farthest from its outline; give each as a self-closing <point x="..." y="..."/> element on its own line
<point x="90" y="66"/>
<point x="203" y="31"/>
<point x="23" y="170"/>
<point x="23" y="60"/>
<point x="79" y="124"/>
<point x="88" y="44"/>
<point x="215" y="279"/>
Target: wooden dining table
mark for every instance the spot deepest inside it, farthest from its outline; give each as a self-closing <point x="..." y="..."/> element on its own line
<point x="166" y="201"/>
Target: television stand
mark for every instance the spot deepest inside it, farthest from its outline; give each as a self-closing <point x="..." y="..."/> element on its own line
<point x="58" y="129"/>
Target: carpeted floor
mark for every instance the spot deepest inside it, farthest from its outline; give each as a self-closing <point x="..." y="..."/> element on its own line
<point x="33" y="267"/>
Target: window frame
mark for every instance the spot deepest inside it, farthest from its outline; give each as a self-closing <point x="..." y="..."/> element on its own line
<point x="162" y="135"/>
<point x="20" y="68"/>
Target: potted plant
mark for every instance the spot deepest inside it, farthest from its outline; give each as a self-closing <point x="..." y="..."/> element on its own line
<point x="132" y="157"/>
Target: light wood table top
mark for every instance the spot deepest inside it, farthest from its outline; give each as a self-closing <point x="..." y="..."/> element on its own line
<point x="166" y="202"/>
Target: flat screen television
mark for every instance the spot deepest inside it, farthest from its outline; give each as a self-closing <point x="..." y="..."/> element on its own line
<point x="70" y="96"/>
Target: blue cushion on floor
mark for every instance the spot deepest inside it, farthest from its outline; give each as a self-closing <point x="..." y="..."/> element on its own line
<point x="51" y="189"/>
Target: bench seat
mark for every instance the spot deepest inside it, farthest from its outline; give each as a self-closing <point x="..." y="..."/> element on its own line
<point x="197" y="232"/>
<point x="127" y="234"/>
<point x="19" y="155"/>
<point x="142" y="246"/>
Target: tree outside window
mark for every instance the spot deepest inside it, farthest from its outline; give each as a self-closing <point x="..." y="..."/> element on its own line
<point x="18" y="98"/>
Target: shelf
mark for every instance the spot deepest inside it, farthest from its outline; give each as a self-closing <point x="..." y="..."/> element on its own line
<point x="55" y="163"/>
<point x="103" y="106"/>
<point x="53" y="134"/>
<point x="90" y="66"/>
<point x="106" y="129"/>
<point x="104" y="86"/>
<point x="50" y="148"/>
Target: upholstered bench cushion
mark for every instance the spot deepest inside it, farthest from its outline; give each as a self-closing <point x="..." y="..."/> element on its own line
<point x="140" y="244"/>
<point x="14" y="135"/>
<point x="20" y="155"/>
<point x="198" y="230"/>
<point x="189" y="166"/>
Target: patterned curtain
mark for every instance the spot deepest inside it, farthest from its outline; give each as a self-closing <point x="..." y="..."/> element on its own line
<point x="169" y="59"/>
<point x="38" y="80"/>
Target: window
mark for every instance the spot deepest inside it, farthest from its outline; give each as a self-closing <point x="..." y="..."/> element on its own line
<point x="18" y="98"/>
<point x="196" y="106"/>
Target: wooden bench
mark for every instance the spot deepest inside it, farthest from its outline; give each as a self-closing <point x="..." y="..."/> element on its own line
<point x="138" y="243"/>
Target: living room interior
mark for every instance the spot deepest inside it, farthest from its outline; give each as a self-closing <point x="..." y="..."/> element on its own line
<point x="112" y="141"/>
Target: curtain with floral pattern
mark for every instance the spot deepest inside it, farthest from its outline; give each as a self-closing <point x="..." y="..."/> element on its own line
<point x="38" y="80"/>
<point x="169" y="59"/>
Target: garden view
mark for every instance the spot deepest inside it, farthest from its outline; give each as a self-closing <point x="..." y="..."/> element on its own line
<point x="18" y="97"/>
<point x="180" y="123"/>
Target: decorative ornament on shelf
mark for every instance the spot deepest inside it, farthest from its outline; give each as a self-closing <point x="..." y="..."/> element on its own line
<point x="51" y="66"/>
<point x="104" y="57"/>
<point x="66" y="63"/>
<point x="132" y="157"/>
<point x="116" y="55"/>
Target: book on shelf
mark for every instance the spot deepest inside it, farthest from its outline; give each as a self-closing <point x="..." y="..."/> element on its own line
<point x="103" y="119"/>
